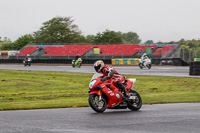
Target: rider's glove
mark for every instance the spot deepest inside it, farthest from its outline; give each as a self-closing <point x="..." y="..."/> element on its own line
<point x="105" y="78"/>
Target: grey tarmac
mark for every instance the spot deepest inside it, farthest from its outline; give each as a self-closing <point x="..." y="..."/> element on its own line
<point x="171" y="71"/>
<point x="159" y="118"/>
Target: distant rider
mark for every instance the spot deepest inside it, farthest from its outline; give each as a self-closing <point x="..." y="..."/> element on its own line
<point x="78" y="56"/>
<point x="143" y="58"/>
<point x="27" y="58"/>
<point x="110" y="73"/>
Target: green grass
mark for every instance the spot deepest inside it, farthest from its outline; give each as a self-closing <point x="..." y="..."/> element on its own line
<point x="32" y="90"/>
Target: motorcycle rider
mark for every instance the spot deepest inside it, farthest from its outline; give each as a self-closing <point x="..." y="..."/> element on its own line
<point x="110" y="73"/>
<point x="143" y="58"/>
<point x="27" y="58"/>
<point x="78" y="56"/>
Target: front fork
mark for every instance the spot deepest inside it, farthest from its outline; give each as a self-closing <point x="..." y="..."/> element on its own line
<point x="98" y="101"/>
<point x="99" y="93"/>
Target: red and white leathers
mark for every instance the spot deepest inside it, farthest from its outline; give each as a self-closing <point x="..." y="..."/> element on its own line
<point x="111" y="73"/>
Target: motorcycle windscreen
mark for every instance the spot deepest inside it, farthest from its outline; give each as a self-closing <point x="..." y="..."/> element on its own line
<point x="95" y="76"/>
<point x="132" y="82"/>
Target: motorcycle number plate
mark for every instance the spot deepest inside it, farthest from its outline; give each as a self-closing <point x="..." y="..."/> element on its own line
<point x="132" y="97"/>
<point x="92" y="83"/>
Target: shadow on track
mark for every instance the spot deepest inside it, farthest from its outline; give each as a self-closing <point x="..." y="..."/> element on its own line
<point x="116" y="112"/>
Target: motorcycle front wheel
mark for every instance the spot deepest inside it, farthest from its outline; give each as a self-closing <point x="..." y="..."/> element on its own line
<point x="136" y="103"/>
<point x="140" y="65"/>
<point x="73" y="64"/>
<point x="98" y="105"/>
<point x="79" y="65"/>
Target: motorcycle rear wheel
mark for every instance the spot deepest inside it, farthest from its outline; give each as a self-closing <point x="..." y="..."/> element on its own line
<point x="149" y="66"/>
<point x="135" y="104"/>
<point x="95" y="104"/>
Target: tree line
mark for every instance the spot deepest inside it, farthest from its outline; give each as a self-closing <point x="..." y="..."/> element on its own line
<point x="62" y="30"/>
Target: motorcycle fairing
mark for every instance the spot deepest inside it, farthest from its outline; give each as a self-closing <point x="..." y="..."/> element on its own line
<point x="114" y="95"/>
<point x="130" y="83"/>
<point x="96" y="92"/>
<point x="79" y="60"/>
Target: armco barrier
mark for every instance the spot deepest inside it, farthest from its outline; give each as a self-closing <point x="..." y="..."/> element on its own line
<point x="194" y="68"/>
<point x="169" y="61"/>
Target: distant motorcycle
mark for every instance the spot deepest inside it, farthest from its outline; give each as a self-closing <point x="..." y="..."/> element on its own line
<point x="27" y="62"/>
<point x="77" y="63"/>
<point x="101" y="97"/>
<point x="145" y="63"/>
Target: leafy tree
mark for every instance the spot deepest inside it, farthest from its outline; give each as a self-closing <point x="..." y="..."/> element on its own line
<point x="80" y="39"/>
<point x="160" y="42"/>
<point x="7" y="46"/>
<point x="181" y="42"/>
<point x="59" y="30"/>
<point x="149" y="42"/>
<point x="90" y="38"/>
<point x="108" y="37"/>
<point x="22" y="41"/>
<point x="131" y="37"/>
<point x="18" y="44"/>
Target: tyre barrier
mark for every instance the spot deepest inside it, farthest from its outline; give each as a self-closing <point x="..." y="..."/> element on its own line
<point x="125" y="61"/>
<point x="194" y="68"/>
<point x="155" y="61"/>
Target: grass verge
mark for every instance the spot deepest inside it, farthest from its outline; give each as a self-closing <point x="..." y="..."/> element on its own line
<point x="33" y="90"/>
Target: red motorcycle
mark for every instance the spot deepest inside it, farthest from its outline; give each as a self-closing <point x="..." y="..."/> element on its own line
<point x="104" y="95"/>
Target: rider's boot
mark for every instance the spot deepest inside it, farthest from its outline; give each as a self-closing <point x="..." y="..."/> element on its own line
<point x="123" y="91"/>
<point x="123" y="94"/>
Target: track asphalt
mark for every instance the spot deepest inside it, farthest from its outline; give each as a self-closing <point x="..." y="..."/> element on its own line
<point x="156" y="118"/>
<point x="131" y="70"/>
